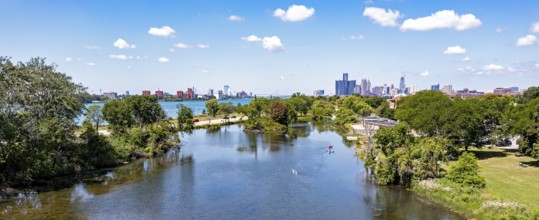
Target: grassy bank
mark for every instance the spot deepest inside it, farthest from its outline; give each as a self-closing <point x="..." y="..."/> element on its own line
<point x="511" y="192"/>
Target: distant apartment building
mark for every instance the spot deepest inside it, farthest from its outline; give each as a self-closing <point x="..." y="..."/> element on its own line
<point x="468" y="93"/>
<point x="514" y="89"/>
<point x="210" y="92"/>
<point x="179" y="94"/>
<point x="111" y="95"/>
<point x="435" y="87"/>
<point x="502" y="91"/>
<point x="319" y="92"/>
<point x="159" y="94"/>
<point x="344" y="87"/>
<point x="146" y="93"/>
<point x="190" y="93"/>
<point x="447" y="89"/>
<point x="127" y="93"/>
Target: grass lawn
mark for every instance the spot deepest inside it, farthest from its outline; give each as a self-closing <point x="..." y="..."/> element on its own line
<point x="506" y="179"/>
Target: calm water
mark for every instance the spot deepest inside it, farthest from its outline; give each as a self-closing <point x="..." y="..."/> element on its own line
<point x="197" y="106"/>
<point x="230" y="174"/>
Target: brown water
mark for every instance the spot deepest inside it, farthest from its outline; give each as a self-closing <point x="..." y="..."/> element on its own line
<point x="230" y="174"/>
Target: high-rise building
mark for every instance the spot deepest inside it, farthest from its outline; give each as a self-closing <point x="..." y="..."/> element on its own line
<point x="220" y="94"/>
<point x="447" y="89"/>
<point x="514" y="89"/>
<point x="111" y="95"/>
<point x="210" y="92"/>
<point x="179" y="94"/>
<point x="435" y="87"/>
<point x="159" y="93"/>
<point x="402" y="86"/>
<point x="226" y="90"/>
<point x="317" y="93"/>
<point x="378" y="90"/>
<point x="365" y="87"/>
<point x="344" y="86"/>
<point x="146" y="93"/>
<point x="190" y="93"/>
<point x="127" y="93"/>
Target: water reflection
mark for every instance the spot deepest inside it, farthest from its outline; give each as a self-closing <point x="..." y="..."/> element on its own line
<point x="230" y="174"/>
<point x="80" y="194"/>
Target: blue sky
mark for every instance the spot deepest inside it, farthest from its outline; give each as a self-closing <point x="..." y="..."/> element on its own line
<point x="296" y="45"/>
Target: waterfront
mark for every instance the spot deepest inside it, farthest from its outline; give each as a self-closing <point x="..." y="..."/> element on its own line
<point x="229" y="174"/>
<point x="170" y="107"/>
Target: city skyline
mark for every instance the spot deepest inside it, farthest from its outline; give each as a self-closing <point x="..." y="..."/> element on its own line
<point x="279" y="46"/>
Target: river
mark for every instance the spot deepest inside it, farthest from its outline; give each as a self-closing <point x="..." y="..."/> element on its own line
<point x="229" y="174"/>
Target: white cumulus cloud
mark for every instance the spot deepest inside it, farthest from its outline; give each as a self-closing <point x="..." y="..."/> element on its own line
<point x="424" y="73"/>
<point x="382" y="17"/>
<point x="294" y="13"/>
<point x="499" y="30"/>
<point x="203" y="46"/>
<point x="455" y="50"/>
<point x="535" y="27"/>
<point x="181" y="46"/>
<point x="165" y="31"/>
<point x="122" y="44"/>
<point x="252" y="38"/>
<point x="235" y="18"/>
<point x="118" y="56"/>
<point x="273" y="44"/>
<point x="68" y="59"/>
<point x="442" y="19"/>
<point x="163" y="60"/>
<point x="90" y="64"/>
<point x="172" y="50"/>
<point x="526" y="40"/>
<point x="492" y="67"/>
<point x="466" y="59"/>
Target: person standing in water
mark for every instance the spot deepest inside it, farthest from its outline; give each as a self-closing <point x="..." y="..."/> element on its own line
<point x="330" y="148"/>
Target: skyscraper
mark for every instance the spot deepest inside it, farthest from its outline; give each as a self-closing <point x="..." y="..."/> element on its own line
<point x="226" y="90"/>
<point x="365" y="87"/>
<point x="344" y="86"/>
<point x="402" y="86"/>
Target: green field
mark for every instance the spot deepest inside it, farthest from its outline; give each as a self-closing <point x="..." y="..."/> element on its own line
<point x="506" y="179"/>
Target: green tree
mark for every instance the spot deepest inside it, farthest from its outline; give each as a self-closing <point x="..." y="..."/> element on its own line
<point x="375" y="102"/>
<point x="95" y="116"/>
<point x="38" y="107"/>
<point x="279" y="113"/>
<point x="466" y="171"/>
<point x="185" y="119"/>
<point x="345" y="115"/>
<point x="425" y="111"/>
<point x="322" y="110"/>
<point x="212" y="107"/>
<point x="226" y="108"/>
<point x="118" y="115"/>
<point x="530" y="94"/>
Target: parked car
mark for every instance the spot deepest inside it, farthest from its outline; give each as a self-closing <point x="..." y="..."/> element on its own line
<point x="196" y="120"/>
<point x="233" y="116"/>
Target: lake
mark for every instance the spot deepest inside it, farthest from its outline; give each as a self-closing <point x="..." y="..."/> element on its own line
<point x="230" y="174"/>
<point x="171" y="110"/>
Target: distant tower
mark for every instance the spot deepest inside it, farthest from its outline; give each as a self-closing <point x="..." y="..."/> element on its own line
<point x="226" y="90"/>
<point x="402" y="85"/>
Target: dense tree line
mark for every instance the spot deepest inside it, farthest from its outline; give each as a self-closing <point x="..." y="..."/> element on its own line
<point x="38" y="108"/>
<point x="39" y="135"/>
